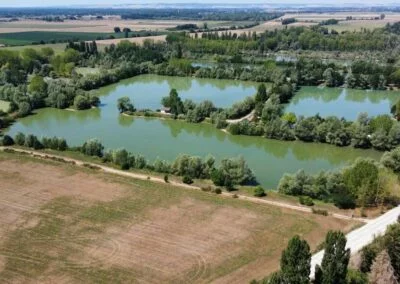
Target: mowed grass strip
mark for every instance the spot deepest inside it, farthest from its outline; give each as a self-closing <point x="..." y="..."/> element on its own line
<point x="62" y="223"/>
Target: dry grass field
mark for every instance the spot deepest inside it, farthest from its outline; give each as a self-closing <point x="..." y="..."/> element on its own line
<point x="99" y="26"/>
<point x="64" y="224"/>
<point x="360" y="19"/>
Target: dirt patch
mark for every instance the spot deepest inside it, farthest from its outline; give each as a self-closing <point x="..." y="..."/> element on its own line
<point x="50" y="182"/>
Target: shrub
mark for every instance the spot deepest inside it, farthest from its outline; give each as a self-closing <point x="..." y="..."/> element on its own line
<point x="92" y="147"/>
<point x="320" y="212"/>
<point x="259" y="191"/>
<point x="187" y="180"/>
<point x="125" y="166"/>
<point x="344" y="202"/>
<point x="306" y="200"/>
<point x="7" y="141"/>
<point x="217" y="190"/>
<point x="20" y="139"/>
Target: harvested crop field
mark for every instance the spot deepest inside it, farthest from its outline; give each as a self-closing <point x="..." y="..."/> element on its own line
<point x="99" y="26"/>
<point x="65" y="224"/>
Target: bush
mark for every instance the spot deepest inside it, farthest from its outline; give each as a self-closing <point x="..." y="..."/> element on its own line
<point x="320" y="212"/>
<point x="259" y="191"/>
<point x="344" y="202"/>
<point x="20" y="139"/>
<point x="92" y="147"/>
<point x="7" y="141"/>
<point x="218" y="177"/>
<point x="217" y="190"/>
<point x="187" y="180"/>
<point x="306" y="200"/>
<point x="124" y="166"/>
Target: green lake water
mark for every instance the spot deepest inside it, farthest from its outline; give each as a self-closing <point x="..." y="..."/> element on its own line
<point x="166" y="139"/>
<point x="347" y="103"/>
<point x="146" y="91"/>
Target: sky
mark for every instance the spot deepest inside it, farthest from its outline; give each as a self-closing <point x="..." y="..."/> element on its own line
<point x="41" y="3"/>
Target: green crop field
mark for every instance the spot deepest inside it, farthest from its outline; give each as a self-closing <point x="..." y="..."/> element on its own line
<point x="28" y="38"/>
<point x="25" y="38"/>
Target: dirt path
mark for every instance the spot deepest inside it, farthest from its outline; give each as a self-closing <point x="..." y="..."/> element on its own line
<point x="179" y="184"/>
<point x="247" y="117"/>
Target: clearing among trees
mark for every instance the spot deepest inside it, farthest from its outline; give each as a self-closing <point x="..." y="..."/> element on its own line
<point x="61" y="223"/>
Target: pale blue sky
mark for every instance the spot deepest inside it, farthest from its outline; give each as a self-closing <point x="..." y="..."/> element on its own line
<point x="25" y="3"/>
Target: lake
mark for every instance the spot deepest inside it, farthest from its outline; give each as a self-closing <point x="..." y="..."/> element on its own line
<point x="166" y="139"/>
<point x="146" y="91"/>
<point x="347" y="103"/>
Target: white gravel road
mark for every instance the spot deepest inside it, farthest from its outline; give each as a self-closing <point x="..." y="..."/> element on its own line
<point x="362" y="236"/>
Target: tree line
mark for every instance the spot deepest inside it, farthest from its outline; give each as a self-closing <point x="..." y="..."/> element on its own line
<point x="229" y="172"/>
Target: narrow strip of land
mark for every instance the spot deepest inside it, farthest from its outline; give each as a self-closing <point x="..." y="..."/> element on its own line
<point x="247" y="117"/>
<point x="362" y="236"/>
<point x="178" y="184"/>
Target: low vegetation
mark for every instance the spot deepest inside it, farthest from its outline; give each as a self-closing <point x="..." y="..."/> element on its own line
<point x="364" y="183"/>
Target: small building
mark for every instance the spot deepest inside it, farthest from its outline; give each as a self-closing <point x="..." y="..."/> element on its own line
<point x="165" y="110"/>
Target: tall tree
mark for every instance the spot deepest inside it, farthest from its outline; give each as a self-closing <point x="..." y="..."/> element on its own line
<point x="174" y="102"/>
<point x="336" y="259"/>
<point x="296" y="262"/>
<point x="382" y="271"/>
<point x="261" y="95"/>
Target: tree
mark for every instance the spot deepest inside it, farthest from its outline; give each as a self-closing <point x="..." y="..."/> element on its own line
<point x="296" y="262"/>
<point x="7" y="141"/>
<point x="174" y="102"/>
<point x="20" y="139"/>
<point x="24" y="109"/>
<point x="92" y="147"/>
<point x="261" y="95"/>
<point x="117" y="30"/>
<point x="290" y="118"/>
<point x="391" y="160"/>
<point x="382" y="271"/>
<point x="393" y="247"/>
<point x="124" y="104"/>
<point x="236" y="171"/>
<point x="361" y="180"/>
<point x="356" y="277"/>
<point x="81" y="102"/>
<point x="336" y="259"/>
<point x="37" y="85"/>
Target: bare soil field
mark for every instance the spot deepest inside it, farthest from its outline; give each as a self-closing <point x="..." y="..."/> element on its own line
<point x="64" y="224"/>
<point x="98" y="26"/>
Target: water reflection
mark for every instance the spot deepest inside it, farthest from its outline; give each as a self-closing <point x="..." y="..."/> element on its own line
<point x="347" y="103"/>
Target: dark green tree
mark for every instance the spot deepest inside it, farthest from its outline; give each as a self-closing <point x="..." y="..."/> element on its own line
<point x="174" y="102"/>
<point x="296" y="262"/>
<point x="261" y="95"/>
<point x="336" y="259"/>
<point x="124" y="104"/>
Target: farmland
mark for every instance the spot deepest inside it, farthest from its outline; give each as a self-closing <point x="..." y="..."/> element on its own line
<point x="82" y="225"/>
<point x="105" y="26"/>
